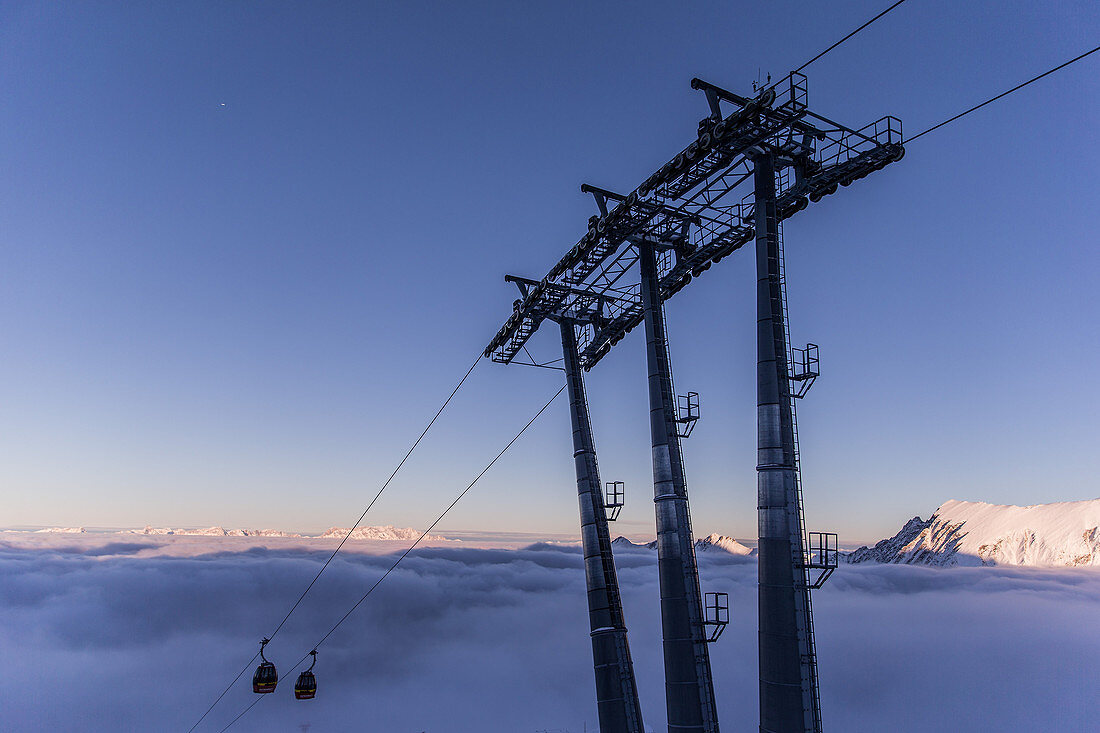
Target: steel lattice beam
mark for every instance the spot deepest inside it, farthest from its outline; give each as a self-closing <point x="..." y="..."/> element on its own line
<point x="689" y="203"/>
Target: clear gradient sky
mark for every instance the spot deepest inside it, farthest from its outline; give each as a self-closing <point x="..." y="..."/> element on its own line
<point x="247" y="248"/>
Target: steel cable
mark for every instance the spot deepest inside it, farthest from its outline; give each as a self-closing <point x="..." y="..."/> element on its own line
<point x="252" y="705"/>
<point x="1003" y="94"/>
<point x="410" y="548"/>
<point x="348" y="535"/>
<point x="227" y="688"/>
<point x="379" y="494"/>
<point x="842" y="40"/>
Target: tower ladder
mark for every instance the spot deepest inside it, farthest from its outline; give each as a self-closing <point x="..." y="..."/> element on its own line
<point x="810" y="657"/>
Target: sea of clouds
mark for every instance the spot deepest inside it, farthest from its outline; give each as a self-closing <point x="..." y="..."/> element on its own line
<point x="109" y="635"/>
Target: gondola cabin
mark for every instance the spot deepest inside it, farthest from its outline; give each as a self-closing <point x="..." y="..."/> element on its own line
<point x="266" y="677"/>
<point x="306" y="686"/>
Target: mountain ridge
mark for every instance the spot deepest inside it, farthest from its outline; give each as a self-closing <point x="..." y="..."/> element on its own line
<point x="713" y="542"/>
<point x="974" y="533"/>
<point x="380" y="532"/>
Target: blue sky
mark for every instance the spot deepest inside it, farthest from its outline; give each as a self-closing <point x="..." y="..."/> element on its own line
<point x="247" y="249"/>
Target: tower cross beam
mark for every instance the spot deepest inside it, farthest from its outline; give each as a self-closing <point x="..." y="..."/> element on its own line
<point x="685" y="198"/>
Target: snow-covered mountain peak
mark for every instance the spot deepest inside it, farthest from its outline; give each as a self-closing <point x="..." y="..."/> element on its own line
<point x="977" y="533"/>
<point x="388" y="532"/>
<point x="622" y="543"/>
<point x="712" y="543"/>
<point x="210" y="532"/>
<point x="717" y="541"/>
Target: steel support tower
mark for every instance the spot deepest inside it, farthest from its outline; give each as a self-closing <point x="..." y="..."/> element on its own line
<point x="788" y="662"/>
<point x="689" y="690"/>
<point x="616" y="690"/>
<point x="674" y="225"/>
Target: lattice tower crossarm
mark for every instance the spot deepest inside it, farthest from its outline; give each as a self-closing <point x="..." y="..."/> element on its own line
<point x="689" y="204"/>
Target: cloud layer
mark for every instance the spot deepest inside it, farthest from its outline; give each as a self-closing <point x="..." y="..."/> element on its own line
<point x="132" y="636"/>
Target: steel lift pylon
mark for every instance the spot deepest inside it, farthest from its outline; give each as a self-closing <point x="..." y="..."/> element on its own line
<point x="689" y="689"/>
<point x="616" y="690"/>
<point x="617" y="701"/>
<point x="642" y="248"/>
<point x="788" y="662"/>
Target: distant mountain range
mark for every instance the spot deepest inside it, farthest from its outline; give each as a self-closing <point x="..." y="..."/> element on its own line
<point x="969" y="533"/>
<point x="711" y="543"/>
<point x="387" y="532"/>
<point x="959" y="533"/>
<point x="1064" y="534"/>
